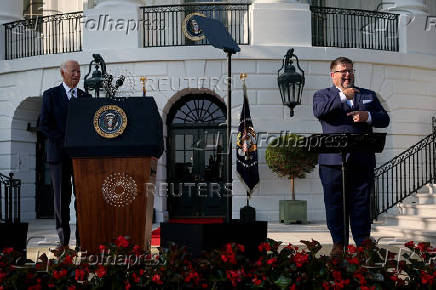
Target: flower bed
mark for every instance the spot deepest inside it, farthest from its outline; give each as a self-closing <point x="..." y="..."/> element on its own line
<point x="123" y="265"/>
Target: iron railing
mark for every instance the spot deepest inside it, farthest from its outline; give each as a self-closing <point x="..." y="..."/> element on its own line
<point x="10" y="197"/>
<point x="404" y="175"/>
<point x="59" y="33"/>
<point x="354" y="28"/>
<point x="164" y="25"/>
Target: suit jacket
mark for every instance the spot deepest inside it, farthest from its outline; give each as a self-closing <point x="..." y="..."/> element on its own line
<point x="53" y="120"/>
<point x="332" y="114"/>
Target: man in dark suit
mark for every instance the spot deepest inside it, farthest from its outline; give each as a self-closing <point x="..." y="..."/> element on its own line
<point x="52" y="123"/>
<point x="344" y="108"/>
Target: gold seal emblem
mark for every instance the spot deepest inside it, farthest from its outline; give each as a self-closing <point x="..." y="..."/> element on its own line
<point x="191" y="28"/>
<point x="110" y="121"/>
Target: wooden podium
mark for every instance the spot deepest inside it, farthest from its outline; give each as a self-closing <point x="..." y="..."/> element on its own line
<point x="115" y="146"/>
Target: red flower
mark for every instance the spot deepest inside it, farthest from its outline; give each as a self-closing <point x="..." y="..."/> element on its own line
<point x="241" y="248"/>
<point x="326" y="285"/>
<point x="102" y="248"/>
<point x="2" y="276"/>
<point x="137" y="250"/>
<point x="122" y="242"/>
<point x="101" y="271"/>
<point x="337" y="275"/>
<point x="361" y="278"/>
<point x="192" y="276"/>
<point x="229" y="248"/>
<point x="59" y="274"/>
<point x="426" y="278"/>
<point x="423" y="246"/>
<point x="8" y="250"/>
<point x="156" y="279"/>
<point x="354" y="261"/>
<point x="80" y="275"/>
<point x="271" y="261"/>
<point x="127" y="286"/>
<point x="351" y="249"/>
<point x="292" y="287"/>
<point x="410" y="244"/>
<point x="68" y="260"/>
<point x="72" y="287"/>
<point x="136" y="278"/>
<point x="264" y="247"/>
<point x="256" y="281"/>
<point x="235" y="276"/>
<point x="300" y="259"/>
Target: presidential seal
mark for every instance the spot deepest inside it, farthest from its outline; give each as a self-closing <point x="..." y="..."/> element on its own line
<point x="246" y="143"/>
<point x="191" y="28"/>
<point x="110" y="121"/>
<point x="119" y="189"/>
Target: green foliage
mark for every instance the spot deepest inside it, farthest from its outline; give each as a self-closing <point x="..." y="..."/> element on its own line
<point x="271" y="266"/>
<point x="287" y="156"/>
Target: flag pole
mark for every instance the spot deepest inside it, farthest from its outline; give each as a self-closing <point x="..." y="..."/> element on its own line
<point x="144" y="91"/>
<point x="229" y="180"/>
<point x="243" y="76"/>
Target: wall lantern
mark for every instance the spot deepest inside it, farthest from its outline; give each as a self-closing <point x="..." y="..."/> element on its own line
<point x="291" y="83"/>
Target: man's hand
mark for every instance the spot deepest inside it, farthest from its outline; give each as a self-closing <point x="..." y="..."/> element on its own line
<point x="359" y="116"/>
<point x="350" y="92"/>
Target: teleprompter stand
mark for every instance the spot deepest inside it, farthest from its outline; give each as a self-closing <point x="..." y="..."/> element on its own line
<point x="345" y="144"/>
<point x="197" y="236"/>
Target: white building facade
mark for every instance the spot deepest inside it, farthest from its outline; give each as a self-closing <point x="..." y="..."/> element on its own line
<point x="400" y="67"/>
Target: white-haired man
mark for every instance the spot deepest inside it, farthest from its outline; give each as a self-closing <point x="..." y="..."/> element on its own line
<point x="52" y="123"/>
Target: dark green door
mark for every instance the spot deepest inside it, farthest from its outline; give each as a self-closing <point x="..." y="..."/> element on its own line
<point x="196" y="160"/>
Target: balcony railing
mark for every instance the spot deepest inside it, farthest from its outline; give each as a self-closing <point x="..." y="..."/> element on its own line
<point x="164" y="25"/>
<point x="60" y="33"/>
<point x="353" y="28"/>
<point x="10" y="198"/>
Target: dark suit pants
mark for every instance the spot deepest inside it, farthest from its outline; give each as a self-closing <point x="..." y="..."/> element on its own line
<point x="358" y="200"/>
<point x="61" y="174"/>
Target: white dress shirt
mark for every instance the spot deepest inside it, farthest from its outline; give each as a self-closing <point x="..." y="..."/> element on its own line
<point x="70" y="91"/>
<point x="350" y="103"/>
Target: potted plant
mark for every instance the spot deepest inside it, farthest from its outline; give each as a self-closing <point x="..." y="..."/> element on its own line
<point x="287" y="156"/>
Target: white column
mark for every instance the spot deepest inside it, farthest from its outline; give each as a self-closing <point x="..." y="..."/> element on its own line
<point x="416" y="34"/>
<point x="112" y="24"/>
<point x="11" y="10"/>
<point x="280" y="22"/>
<point x="415" y="7"/>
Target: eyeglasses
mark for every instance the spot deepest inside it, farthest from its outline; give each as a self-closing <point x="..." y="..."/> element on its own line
<point x="350" y="71"/>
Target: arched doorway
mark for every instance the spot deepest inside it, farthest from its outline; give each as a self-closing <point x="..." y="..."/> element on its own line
<point x="196" y="169"/>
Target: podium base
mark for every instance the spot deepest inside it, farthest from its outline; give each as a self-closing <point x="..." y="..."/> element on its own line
<point x="206" y="237"/>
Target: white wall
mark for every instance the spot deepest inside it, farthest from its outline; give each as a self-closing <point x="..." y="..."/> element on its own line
<point x="404" y="82"/>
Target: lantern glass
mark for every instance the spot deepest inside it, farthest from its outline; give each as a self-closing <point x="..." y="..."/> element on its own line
<point x="290" y="82"/>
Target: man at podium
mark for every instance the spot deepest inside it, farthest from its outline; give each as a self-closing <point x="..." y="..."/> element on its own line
<point x="344" y="108"/>
<point x="52" y="124"/>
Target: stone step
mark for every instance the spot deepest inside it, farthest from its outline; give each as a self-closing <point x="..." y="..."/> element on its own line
<point x="426" y="198"/>
<point x="428" y="188"/>
<point x="418" y="209"/>
<point x="426" y="223"/>
<point x="402" y="235"/>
